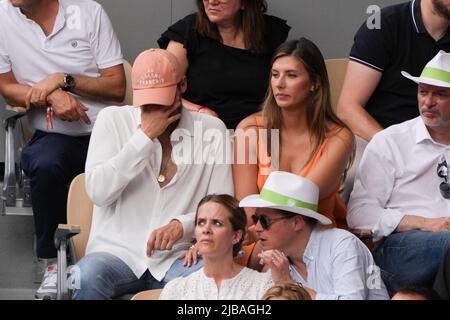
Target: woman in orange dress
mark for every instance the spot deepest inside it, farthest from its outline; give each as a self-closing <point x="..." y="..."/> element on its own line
<point x="297" y="131"/>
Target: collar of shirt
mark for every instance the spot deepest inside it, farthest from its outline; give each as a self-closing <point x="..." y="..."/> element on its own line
<point x="416" y="17"/>
<point x="422" y="133"/>
<point x="59" y="23"/>
<point x="308" y="257"/>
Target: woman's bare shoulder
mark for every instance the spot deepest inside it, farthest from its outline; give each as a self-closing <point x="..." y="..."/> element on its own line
<point x="252" y="121"/>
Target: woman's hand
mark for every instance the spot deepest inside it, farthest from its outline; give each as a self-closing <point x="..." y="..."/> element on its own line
<point x="198" y="108"/>
<point x="207" y="111"/>
<point x="191" y="256"/>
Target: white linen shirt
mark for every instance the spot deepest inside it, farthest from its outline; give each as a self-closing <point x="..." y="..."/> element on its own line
<point x="248" y="284"/>
<point x="340" y="267"/>
<point x="397" y="176"/>
<point x="82" y="42"/>
<point x="121" y="170"/>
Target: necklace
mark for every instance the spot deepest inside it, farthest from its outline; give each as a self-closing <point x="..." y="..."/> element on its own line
<point x="162" y="177"/>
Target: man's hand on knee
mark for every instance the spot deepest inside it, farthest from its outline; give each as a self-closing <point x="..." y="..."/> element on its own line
<point x="164" y="238"/>
<point x="436" y="224"/>
<point x="67" y="107"/>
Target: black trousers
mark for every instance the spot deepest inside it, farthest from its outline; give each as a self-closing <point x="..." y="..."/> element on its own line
<point x="51" y="161"/>
<point x="442" y="281"/>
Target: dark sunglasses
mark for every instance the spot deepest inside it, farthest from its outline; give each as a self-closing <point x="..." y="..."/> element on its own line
<point x="442" y="172"/>
<point x="266" y="222"/>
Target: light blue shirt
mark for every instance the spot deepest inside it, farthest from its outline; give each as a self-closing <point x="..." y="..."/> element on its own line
<point x="340" y="266"/>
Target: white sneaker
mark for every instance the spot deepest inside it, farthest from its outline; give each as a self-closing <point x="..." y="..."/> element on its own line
<point x="48" y="288"/>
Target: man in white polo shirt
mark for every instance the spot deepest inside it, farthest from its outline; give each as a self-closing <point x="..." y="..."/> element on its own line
<point x="62" y="60"/>
<point x="402" y="191"/>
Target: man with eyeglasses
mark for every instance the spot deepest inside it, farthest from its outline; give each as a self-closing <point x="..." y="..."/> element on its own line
<point x="401" y="191"/>
<point x="331" y="264"/>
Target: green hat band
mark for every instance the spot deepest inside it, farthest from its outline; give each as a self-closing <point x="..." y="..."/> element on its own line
<point x="436" y="74"/>
<point x="281" y="200"/>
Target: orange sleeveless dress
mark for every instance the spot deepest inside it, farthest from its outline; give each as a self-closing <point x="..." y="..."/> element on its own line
<point x="331" y="206"/>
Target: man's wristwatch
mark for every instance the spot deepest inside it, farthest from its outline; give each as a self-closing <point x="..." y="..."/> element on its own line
<point x="69" y="82"/>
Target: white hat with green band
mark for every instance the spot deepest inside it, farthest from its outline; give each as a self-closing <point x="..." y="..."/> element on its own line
<point x="289" y="192"/>
<point x="436" y="72"/>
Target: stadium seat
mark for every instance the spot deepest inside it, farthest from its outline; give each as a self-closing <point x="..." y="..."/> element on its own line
<point x="128" y="100"/>
<point x="336" y="69"/>
<point x="79" y="216"/>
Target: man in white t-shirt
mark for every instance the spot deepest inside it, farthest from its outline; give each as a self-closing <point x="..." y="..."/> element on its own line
<point x="62" y="61"/>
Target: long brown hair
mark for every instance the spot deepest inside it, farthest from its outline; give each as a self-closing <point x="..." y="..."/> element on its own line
<point x="319" y="112"/>
<point x="251" y="22"/>
<point x="237" y="216"/>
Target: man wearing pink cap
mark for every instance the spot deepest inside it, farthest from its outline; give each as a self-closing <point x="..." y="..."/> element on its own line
<point x="401" y="190"/>
<point x="144" y="196"/>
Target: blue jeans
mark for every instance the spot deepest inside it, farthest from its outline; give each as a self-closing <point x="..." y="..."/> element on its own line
<point x="411" y="257"/>
<point x="103" y="276"/>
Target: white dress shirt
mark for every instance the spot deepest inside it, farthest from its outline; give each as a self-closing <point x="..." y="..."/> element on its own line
<point x="340" y="267"/>
<point x="81" y="43"/>
<point x="121" y="171"/>
<point x="246" y="285"/>
<point x="397" y="177"/>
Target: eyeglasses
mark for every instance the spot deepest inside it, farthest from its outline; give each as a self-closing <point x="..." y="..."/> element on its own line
<point x="266" y="222"/>
<point x="442" y="172"/>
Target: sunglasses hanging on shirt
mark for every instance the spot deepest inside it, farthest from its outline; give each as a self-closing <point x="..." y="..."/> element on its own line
<point x="442" y="172"/>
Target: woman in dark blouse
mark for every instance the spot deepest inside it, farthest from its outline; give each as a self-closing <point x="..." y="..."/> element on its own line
<point x="225" y="48"/>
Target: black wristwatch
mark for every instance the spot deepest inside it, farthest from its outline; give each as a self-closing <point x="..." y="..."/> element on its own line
<point x="69" y="82"/>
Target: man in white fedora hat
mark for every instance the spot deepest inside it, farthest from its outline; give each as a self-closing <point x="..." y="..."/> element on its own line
<point x="402" y="191"/>
<point x="329" y="263"/>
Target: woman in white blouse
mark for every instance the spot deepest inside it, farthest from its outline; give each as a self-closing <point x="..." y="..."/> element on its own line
<point x="219" y="230"/>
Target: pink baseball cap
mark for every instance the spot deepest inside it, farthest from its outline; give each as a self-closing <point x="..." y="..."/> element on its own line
<point x="155" y="75"/>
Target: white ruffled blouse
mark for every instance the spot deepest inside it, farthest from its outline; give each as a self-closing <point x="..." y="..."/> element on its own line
<point x="248" y="284"/>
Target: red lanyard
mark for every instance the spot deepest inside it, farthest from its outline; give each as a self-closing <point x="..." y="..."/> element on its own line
<point x="49" y="115"/>
<point x="49" y="118"/>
